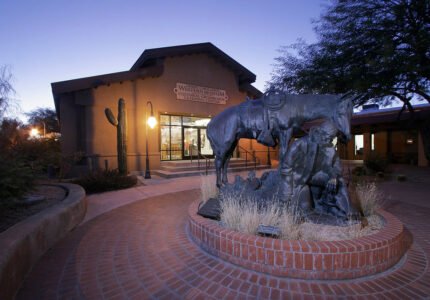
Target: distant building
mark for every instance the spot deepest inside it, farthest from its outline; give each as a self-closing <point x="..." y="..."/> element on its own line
<point x="384" y="132"/>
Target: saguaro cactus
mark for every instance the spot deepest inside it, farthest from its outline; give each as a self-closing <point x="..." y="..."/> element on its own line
<point x="121" y="128"/>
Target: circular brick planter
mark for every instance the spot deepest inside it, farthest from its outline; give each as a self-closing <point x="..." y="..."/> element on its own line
<point x="303" y="259"/>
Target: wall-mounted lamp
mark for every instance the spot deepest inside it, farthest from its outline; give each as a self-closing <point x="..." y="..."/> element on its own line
<point x="409" y="141"/>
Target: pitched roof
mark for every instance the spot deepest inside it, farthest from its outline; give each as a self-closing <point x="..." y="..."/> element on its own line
<point x="150" y="55"/>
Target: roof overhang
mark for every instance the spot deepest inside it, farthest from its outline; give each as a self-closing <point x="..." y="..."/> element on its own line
<point x="149" y="55"/>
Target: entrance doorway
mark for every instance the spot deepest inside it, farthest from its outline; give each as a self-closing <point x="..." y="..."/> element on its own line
<point x="196" y="143"/>
<point x="184" y="137"/>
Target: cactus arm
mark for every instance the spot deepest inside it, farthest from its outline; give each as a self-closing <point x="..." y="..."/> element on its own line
<point x="110" y="117"/>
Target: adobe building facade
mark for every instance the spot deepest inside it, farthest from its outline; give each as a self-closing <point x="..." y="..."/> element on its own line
<point x="186" y="86"/>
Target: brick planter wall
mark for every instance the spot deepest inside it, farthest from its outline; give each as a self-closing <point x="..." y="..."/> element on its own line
<point x="303" y="259"/>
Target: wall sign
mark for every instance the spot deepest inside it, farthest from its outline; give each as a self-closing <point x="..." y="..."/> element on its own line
<point x="197" y="93"/>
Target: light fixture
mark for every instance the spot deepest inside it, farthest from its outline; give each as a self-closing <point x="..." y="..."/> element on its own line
<point x="151" y="121"/>
<point x="409" y="141"/>
<point x="34" y="132"/>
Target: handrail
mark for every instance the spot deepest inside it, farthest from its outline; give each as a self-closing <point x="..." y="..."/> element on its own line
<point x="255" y="158"/>
<point x="199" y="154"/>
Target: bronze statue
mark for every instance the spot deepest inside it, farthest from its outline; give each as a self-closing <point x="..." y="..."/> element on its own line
<point x="314" y="174"/>
<point x="272" y="120"/>
<point x="309" y="173"/>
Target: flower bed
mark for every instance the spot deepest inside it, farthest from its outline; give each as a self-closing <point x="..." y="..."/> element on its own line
<point x="299" y="258"/>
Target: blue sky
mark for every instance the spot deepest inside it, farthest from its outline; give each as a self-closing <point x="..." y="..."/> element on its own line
<point x="55" y="40"/>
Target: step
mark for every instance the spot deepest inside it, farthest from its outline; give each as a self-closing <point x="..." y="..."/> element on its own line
<point x="170" y="174"/>
<point x="194" y="162"/>
<point x="195" y="167"/>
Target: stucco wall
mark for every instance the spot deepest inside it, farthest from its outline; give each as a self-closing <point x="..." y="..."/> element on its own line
<point x="100" y="135"/>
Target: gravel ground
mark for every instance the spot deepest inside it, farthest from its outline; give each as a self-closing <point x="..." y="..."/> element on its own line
<point x="42" y="197"/>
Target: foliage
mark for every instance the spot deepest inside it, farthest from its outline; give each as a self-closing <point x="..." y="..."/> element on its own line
<point x="107" y="180"/>
<point x="208" y="187"/>
<point x="22" y="158"/>
<point x="6" y="90"/>
<point x="366" y="49"/>
<point x="16" y="178"/>
<point x="67" y="162"/>
<point x="244" y="215"/>
<point x="46" y="116"/>
<point x="401" y="177"/>
<point x="39" y="153"/>
<point x="359" y="171"/>
<point x="375" y="162"/>
<point x="369" y="197"/>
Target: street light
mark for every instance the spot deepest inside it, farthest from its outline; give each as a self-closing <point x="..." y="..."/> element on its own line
<point x="34" y="132"/>
<point x="151" y="121"/>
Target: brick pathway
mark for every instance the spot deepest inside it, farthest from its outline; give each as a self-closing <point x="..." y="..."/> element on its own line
<point x="142" y="251"/>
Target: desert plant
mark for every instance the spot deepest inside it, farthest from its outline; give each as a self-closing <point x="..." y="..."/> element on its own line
<point x="290" y="223"/>
<point x="369" y="197"/>
<point x="359" y="171"/>
<point x="121" y="128"/>
<point x="245" y="215"/>
<point x="375" y="162"/>
<point x="107" y="180"/>
<point x="67" y="162"/>
<point x="401" y="177"/>
<point x="208" y="187"/>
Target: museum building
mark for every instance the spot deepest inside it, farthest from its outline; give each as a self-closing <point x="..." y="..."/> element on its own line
<point x="183" y="87"/>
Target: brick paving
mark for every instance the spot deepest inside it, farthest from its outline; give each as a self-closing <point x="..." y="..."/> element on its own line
<point x="142" y="251"/>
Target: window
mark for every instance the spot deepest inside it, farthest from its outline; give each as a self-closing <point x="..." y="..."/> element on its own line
<point x="359" y="144"/>
<point x="174" y="145"/>
<point x="171" y="137"/>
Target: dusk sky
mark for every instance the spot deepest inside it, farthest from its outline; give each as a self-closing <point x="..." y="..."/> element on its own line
<point x="55" y="40"/>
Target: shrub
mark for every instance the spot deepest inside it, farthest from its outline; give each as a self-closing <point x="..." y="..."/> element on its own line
<point x="208" y="187"/>
<point x="16" y="178"/>
<point x="107" y="180"/>
<point x="359" y="171"/>
<point x="244" y="215"/>
<point x="401" y="177"/>
<point x="369" y="197"/>
<point x="376" y="162"/>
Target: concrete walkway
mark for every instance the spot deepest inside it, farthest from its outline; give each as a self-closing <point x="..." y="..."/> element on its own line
<point x="131" y="249"/>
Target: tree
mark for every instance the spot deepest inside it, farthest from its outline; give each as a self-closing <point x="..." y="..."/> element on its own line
<point x="44" y="117"/>
<point x="6" y="90"/>
<point x="376" y="50"/>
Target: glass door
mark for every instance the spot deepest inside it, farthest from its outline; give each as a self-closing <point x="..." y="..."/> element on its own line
<point x="205" y="145"/>
<point x="191" y="142"/>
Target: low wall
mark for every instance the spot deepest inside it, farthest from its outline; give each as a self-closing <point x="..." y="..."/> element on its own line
<point x="23" y="244"/>
<point x="303" y="259"/>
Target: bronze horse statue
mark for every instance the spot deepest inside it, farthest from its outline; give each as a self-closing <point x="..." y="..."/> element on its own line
<point x="272" y="120"/>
